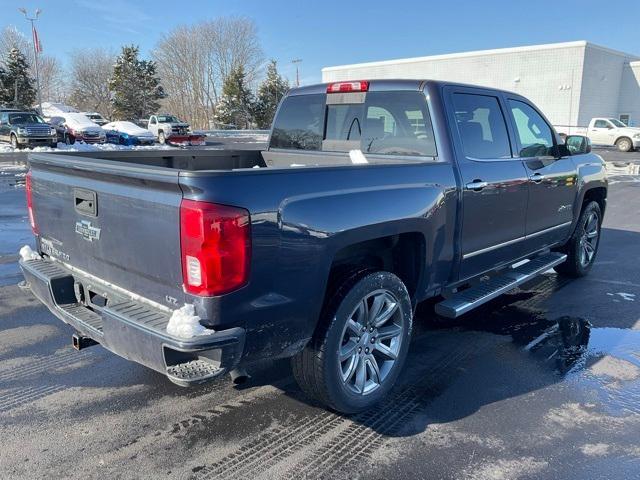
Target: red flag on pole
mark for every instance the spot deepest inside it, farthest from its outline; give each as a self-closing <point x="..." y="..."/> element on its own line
<point x="36" y="41"/>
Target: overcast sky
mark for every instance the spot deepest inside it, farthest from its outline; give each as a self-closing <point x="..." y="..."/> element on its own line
<point x="326" y="33"/>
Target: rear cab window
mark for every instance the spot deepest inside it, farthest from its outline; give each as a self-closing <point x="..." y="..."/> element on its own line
<point x="482" y="127"/>
<point x="394" y="123"/>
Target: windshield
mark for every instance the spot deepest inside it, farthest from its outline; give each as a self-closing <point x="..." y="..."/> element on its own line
<point x="617" y="122"/>
<point x="167" y="119"/>
<point x="16" y="118"/>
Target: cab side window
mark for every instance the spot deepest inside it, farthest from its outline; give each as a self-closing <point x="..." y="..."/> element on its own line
<point x="536" y="137"/>
<point x="4" y="118"/>
<point x="482" y="127"/>
<point x="601" y="124"/>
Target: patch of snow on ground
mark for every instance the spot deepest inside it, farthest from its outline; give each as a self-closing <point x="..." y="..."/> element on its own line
<point x="27" y="253"/>
<point x="184" y="323"/>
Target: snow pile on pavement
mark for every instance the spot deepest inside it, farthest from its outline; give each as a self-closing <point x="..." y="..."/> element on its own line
<point x="27" y="253"/>
<point x="184" y="323"/>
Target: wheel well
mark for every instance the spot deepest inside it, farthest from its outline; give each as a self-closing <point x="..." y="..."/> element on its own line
<point x="598" y="194"/>
<point x="621" y="137"/>
<point x="401" y="254"/>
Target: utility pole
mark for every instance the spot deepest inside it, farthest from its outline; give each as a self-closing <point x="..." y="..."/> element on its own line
<point x="296" y="61"/>
<point x="36" y="50"/>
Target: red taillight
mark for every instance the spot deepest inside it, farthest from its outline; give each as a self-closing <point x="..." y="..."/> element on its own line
<point x="216" y="247"/>
<point x="29" y="190"/>
<point x="359" y="86"/>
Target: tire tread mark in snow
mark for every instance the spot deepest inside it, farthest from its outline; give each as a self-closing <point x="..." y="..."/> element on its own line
<point x="255" y="457"/>
<point x="363" y="437"/>
<point x="22" y="396"/>
<point x="272" y="446"/>
<point x="43" y="364"/>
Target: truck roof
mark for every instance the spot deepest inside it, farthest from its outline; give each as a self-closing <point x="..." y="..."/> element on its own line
<point x="388" y="84"/>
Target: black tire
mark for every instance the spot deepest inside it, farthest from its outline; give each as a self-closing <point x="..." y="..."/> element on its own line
<point x="318" y="369"/>
<point x="69" y="139"/>
<point x="575" y="265"/>
<point x="624" y="144"/>
<point x="14" y="142"/>
<point x="54" y="145"/>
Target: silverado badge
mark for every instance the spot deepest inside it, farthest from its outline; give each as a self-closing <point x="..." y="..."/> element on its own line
<point x="87" y="231"/>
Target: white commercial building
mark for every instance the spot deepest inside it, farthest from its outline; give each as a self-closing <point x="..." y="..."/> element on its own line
<point x="570" y="82"/>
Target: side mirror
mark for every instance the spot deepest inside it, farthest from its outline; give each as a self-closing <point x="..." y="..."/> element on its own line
<point x="578" y="144"/>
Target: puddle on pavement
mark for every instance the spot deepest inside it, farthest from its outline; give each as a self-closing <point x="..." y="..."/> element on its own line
<point x="602" y="361"/>
<point x="623" y="172"/>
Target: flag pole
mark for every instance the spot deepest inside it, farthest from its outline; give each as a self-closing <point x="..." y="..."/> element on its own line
<point x="36" y="49"/>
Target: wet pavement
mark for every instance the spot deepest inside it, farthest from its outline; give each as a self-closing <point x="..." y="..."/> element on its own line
<point x="541" y="383"/>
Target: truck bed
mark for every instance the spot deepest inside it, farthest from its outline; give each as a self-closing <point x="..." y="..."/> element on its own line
<point x="191" y="160"/>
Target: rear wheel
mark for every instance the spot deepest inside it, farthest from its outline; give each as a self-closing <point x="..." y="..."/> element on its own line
<point x="360" y="345"/>
<point x="624" y="144"/>
<point x="581" y="249"/>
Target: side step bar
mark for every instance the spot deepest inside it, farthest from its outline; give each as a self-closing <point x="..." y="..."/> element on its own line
<point x="465" y="300"/>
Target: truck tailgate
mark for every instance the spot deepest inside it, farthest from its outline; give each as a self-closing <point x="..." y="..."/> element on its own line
<point x="116" y="221"/>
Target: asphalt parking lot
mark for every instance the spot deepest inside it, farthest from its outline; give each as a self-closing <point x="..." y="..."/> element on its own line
<point x="543" y="383"/>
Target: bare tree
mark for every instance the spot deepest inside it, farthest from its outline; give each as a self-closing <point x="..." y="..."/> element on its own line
<point x="194" y="60"/>
<point x="10" y="38"/>
<point x="53" y="83"/>
<point x="52" y="78"/>
<point x="90" y="73"/>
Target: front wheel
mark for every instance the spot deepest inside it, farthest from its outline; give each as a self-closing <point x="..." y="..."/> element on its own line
<point x="583" y="245"/>
<point x="14" y="142"/>
<point x="360" y="345"/>
<point x="624" y="144"/>
<point x="161" y="138"/>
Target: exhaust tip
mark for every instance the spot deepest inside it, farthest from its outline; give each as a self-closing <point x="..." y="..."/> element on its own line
<point x="239" y="376"/>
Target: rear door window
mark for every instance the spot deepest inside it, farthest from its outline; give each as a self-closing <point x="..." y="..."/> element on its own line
<point x="481" y="126"/>
<point x="299" y="123"/>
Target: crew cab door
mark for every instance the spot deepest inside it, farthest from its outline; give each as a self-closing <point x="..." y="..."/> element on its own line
<point x="495" y="185"/>
<point x="552" y="179"/>
<point x="602" y="132"/>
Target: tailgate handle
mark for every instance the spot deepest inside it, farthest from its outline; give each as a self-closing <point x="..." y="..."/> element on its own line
<point x="85" y="201"/>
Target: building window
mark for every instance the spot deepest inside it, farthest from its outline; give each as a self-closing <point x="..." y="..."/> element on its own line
<point x="624" y="118"/>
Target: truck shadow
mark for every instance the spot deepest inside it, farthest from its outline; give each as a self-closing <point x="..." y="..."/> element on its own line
<point x="505" y="349"/>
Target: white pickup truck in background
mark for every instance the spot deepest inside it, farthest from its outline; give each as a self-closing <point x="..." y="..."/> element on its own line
<point x="611" y="131"/>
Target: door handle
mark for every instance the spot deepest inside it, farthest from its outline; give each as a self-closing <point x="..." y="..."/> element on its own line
<point x="476" y="185"/>
<point x="536" y="177"/>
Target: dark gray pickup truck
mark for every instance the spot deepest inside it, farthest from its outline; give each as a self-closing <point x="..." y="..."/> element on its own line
<point x="371" y="197"/>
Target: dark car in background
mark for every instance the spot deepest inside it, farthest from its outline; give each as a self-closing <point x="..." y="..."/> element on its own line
<point x="24" y="128"/>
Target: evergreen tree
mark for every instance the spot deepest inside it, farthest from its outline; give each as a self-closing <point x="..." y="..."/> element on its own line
<point x="270" y="92"/>
<point x="236" y="105"/>
<point x="135" y="87"/>
<point x="16" y="85"/>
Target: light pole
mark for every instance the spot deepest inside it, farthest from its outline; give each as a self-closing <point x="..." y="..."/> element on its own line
<point x="36" y="49"/>
<point x="296" y="61"/>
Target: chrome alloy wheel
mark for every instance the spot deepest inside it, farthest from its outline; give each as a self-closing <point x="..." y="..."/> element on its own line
<point x="371" y="342"/>
<point x="589" y="239"/>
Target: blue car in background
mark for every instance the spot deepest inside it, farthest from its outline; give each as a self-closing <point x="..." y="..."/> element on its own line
<point x="128" y="133"/>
